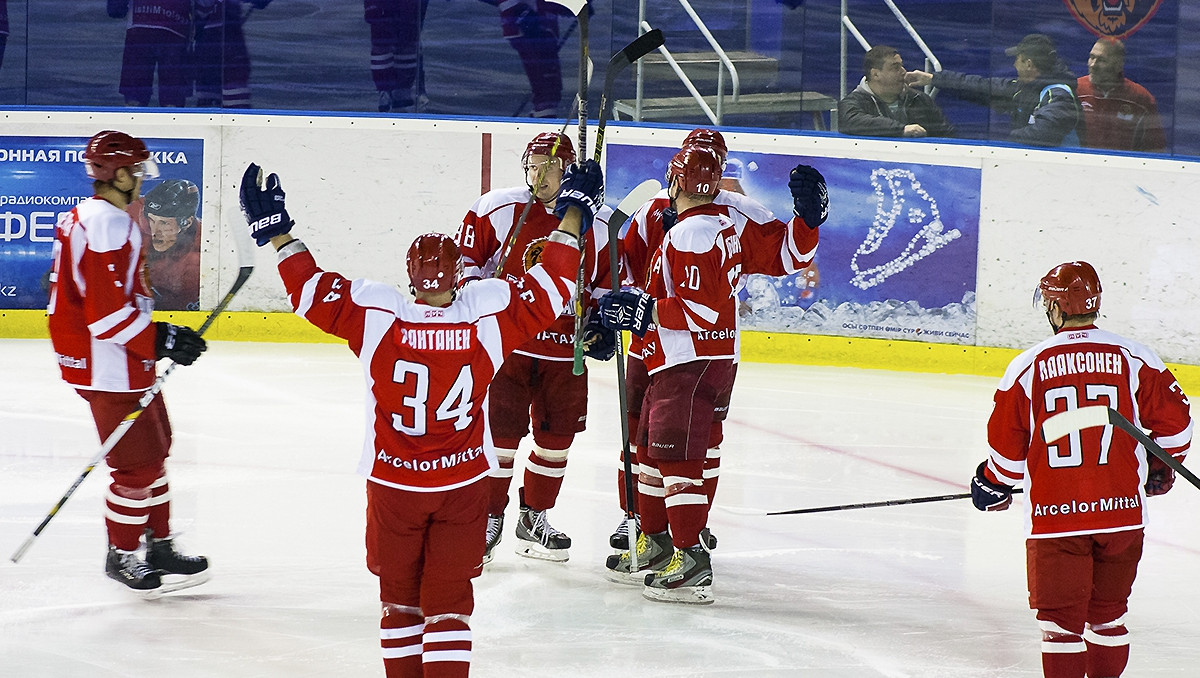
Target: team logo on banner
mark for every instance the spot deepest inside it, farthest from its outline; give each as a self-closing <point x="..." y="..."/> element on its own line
<point x="1115" y="18"/>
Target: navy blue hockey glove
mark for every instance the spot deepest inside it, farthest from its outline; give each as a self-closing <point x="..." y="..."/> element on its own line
<point x="629" y="309"/>
<point x="263" y="206"/>
<point x="118" y="8"/>
<point x="809" y="195"/>
<point x="986" y="495"/>
<point x="599" y="342"/>
<point x="179" y="343"/>
<point x="1160" y="479"/>
<point x="669" y="217"/>
<point x="583" y="187"/>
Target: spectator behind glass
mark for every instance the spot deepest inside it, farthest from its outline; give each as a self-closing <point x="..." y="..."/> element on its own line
<point x="222" y="60"/>
<point x="156" y="38"/>
<point x="1040" y="102"/>
<point x="168" y="221"/>
<point x="1119" y="113"/>
<point x="396" y="53"/>
<point x="884" y="106"/>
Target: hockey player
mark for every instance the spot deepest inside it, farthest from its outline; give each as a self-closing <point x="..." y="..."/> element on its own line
<point x="396" y="53"/>
<point x="1086" y="509"/>
<point x="772" y="247"/>
<point x="531" y="27"/>
<point x="107" y="345"/>
<point x="536" y="383"/>
<point x="223" y="61"/>
<point x="157" y="38"/>
<point x="168" y="221"/>
<point x="687" y="318"/>
<point x="428" y="364"/>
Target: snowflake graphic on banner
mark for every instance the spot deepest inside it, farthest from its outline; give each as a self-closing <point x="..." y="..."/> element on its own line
<point x="931" y="237"/>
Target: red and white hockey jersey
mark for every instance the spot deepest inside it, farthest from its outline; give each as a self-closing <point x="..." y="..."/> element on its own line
<point x="1092" y="480"/>
<point x="769" y="246"/>
<point x="485" y="232"/>
<point x="100" y="304"/>
<point x="693" y="278"/>
<point x="427" y="369"/>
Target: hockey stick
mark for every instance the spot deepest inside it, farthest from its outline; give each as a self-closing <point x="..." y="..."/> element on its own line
<point x="635" y="199"/>
<point x="1065" y="423"/>
<point x="877" y="504"/>
<point x="640" y="47"/>
<point x="246" y="267"/>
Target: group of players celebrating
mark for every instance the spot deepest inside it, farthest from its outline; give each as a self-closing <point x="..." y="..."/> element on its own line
<point x="482" y="355"/>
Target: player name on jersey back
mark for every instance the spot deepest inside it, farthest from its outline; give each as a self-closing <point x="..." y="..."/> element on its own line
<point x="1080" y="362"/>
<point x="447" y="339"/>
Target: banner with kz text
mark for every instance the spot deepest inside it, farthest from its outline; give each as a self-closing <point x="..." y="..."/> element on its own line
<point x="41" y="178"/>
<point x="897" y="256"/>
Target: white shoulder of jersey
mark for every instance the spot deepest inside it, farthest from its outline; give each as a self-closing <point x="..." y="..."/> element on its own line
<point x="698" y="233"/>
<point x="501" y="197"/>
<point x="107" y="226"/>
<point x="480" y="298"/>
<point x="600" y="227"/>
<point x="751" y="208"/>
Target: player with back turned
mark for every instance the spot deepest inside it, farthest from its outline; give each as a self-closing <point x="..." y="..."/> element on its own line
<point x="428" y="364"/>
<point x="1086" y="509"/>
<point x="770" y="247"/>
<point x="107" y="347"/>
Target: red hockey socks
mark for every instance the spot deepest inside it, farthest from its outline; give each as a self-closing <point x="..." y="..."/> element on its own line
<point x="499" y="481"/>
<point x="1107" y="648"/>
<point x="685" y="499"/>
<point x="544" y="471"/>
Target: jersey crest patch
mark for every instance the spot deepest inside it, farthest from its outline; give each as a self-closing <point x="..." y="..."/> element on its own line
<point x="533" y="253"/>
<point x="1115" y="18"/>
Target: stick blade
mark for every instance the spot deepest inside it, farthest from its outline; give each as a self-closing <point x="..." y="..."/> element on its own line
<point x="643" y="45"/>
<point x="638" y="196"/>
<point x="573" y="6"/>
<point x="1068" y="422"/>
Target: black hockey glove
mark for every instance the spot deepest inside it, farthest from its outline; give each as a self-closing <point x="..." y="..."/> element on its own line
<point x="986" y="495"/>
<point x="809" y="195"/>
<point x="179" y="343"/>
<point x="669" y="217"/>
<point x="630" y="309"/>
<point x="118" y="8"/>
<point x="1160" y="479"/>
<point x="599" y="342"/>
<point x="583" y="187"/>
<point x="263" y="206"/>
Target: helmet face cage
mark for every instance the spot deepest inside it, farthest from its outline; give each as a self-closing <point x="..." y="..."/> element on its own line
<point x="708" y="138"/>
<point x="434" y="263"/>
<point x="175" y="198"/>
<point x="695" y="169"/>
<point x="545" y="144"/>
<point x="109" y="151"/>
<point x="1074" y="286"/>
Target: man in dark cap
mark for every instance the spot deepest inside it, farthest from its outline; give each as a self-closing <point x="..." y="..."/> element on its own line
<point x="1040" y="102"/>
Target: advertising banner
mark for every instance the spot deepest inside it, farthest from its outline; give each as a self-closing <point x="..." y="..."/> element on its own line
<point x="43" y="177"/>
<point x="897" y="257"/>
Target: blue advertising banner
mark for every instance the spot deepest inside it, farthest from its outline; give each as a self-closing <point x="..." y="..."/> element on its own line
<point x="897" y="257"/>
<point x="43" y="177"/>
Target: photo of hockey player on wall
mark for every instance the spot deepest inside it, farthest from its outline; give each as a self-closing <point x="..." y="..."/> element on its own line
<point x="40" y="180"/>
<point x="898" y="254"/>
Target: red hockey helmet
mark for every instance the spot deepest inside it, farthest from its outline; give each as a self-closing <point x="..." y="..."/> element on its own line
<point x="1074" y="286"/>
<point x="695" y="169"/>
<point x="434" y="263"/>
<point x="109" y="151"/>
<point x="551" y="145"/>
<point x="707" y="138"/>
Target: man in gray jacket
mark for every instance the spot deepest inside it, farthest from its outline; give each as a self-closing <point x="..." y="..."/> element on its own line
<point x="884" y="106"/>
<point x="1040" y="102"/>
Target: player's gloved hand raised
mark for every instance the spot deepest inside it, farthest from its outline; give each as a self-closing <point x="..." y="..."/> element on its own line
<point x="118" y="8"/>
<point x="525" y="18"/>
<point x="179" y="343"/>
<point x="629" y="309"/>
<point x="1160" y="479"/>
<point x="582" y="187"/>
<point x="669" y="217"/>
<point x="986" y="495"/>
<point x="810" y="198"/>
<point x="599" y="342"/>
<point x="263" y="205"/>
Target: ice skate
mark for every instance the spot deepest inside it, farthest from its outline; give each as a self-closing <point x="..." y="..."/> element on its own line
<point x="495" y="530"/>
<point x="176" y="571"/>
<point x="708" y="540"/>
<point x="619" y="539"/>
<point x="686" y="579"/>
<point x="127" y="568"/>
<point x="538" y="539"/>
<point x="654" y="553"/>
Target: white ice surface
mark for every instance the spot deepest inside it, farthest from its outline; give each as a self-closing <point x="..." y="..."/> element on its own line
<point x="266" y="440"/>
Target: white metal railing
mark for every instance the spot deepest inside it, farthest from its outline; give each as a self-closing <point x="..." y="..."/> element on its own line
<point x="725" y="65"/>
<point x="931" y="60"/>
